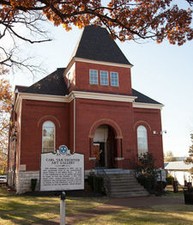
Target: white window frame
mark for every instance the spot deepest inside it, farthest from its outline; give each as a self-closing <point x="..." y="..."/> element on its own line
<point x="93" y="78"/>
<point x="142" y="140"/>
<point x="114" y="81"/>
<point x="43" y="127"/>
<point x="104" y="78"/>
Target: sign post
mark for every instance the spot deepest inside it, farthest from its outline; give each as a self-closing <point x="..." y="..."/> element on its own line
<point x="62" y="208"/>
<point x="62" y="171"/>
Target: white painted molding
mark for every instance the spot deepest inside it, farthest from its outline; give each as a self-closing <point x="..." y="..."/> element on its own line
<point x="77" y="59"/>
<point x="102" y="96"/>
<point x="84" y="95"/>
<point x="147" y="105"/>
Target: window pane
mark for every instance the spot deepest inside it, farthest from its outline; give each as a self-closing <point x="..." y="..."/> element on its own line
<point x="48" y="137"/>
<point x="114" y="79"/>
<point x="93" y="77"/>
<point x="104" y="78"/>
<point x="142" y="140"/>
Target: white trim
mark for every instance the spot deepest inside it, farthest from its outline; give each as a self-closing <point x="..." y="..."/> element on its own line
<point x="77" y="59"/>
<point x="102" y="96"/>
<point x="42" y="97"/>
<point x="84" y="95"/>
<point x="147" y="105"/>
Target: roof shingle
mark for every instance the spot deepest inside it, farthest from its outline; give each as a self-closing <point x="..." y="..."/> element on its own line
<point x="97" y="44"/>
<point x="52" y="84"/>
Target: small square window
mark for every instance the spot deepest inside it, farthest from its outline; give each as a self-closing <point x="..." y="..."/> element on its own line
<point x="114" y="79"/>
<point x="93" y="77"/>
<point x="104" y="79"/>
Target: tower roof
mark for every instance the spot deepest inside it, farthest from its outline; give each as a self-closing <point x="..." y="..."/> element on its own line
<point x="97" y="44"/>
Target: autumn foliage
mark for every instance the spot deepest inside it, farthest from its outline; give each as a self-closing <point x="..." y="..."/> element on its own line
<point x="125" y="19"/>
<point x="5" y="108"/>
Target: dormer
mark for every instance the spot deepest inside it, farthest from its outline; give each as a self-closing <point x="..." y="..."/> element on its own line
<point x="98" y="64"/>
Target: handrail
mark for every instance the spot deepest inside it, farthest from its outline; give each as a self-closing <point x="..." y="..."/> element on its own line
<point x="107" y="181"/>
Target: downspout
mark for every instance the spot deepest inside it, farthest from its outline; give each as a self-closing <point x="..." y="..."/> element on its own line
<point x="74" y="141"/>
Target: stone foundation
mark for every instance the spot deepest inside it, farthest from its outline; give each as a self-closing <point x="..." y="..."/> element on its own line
<point x="23" y="181"/>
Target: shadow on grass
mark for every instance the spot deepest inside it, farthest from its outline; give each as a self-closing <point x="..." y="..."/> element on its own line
<point x="24" y="211"/>
<point x="39" y="210"/>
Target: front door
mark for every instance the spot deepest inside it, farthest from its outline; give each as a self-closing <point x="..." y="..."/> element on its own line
<point x="104" y="137"/>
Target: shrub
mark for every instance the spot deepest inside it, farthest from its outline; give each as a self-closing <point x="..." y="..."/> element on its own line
<point x="170" y="179"/>
<point x="96" y="183"/>
<point x="146" y="172"/>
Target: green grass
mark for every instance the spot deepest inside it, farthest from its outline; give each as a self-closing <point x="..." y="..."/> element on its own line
<point x="159" y="216"/>
<point x="27" y="210"/>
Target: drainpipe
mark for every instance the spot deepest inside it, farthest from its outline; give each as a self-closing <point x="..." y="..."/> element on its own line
<point x="74" y="141"/>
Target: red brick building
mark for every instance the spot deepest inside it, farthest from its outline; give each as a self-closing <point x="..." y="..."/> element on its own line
<point x="90" y="107"/>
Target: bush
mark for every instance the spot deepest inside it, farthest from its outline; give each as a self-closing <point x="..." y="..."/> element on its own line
<point x="170" y="179"/>
<point x="146" y="172"/>
<point x="96" y="183"/>
<point x="148" y="182"/>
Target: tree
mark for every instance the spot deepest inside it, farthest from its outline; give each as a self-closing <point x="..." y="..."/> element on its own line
<point x="189" y="159"/>
<point x="125" y="19"/>
<point x="169" y="156"/>
<point x="5" y="108"/>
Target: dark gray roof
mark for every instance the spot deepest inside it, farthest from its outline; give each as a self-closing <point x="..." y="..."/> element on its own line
<point x="143" y="98"/>
<point x="97" y="44"/>
<point x="52" y="84"/>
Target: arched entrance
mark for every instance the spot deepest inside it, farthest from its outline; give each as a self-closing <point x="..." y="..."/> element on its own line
<point x="104" y="140"/>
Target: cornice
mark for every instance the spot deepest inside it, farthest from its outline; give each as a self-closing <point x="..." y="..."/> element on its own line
<point x="77" y="59"/>
<point x="102" y="96"/>
<point x="83" y="95"/>
<point x="147" y="105"/>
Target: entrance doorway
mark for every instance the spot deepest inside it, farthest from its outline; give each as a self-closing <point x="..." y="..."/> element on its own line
<point x="105" y="139"/>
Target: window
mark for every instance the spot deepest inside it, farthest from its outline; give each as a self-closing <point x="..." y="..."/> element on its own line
<point x="142" y="144"/>
<point x="114" y="79"/>
<point x="104" y="80"/>
<point x="93" y="77"/>
<point x="48" y="137"/>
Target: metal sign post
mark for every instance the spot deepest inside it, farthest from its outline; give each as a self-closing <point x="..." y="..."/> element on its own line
<point x="62" y="208"/>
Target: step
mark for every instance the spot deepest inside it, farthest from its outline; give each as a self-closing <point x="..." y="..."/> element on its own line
<point x="123" y="184"/>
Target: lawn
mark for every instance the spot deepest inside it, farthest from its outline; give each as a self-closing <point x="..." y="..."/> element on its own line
<point x="27" y="210"/>
<point x="156" y="216"/>
<point x="44" y="210"/>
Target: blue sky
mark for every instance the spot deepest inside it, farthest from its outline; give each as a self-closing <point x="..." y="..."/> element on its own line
<point x="162" y="71"/>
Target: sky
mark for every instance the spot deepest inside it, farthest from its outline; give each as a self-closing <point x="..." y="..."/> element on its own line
<point x="163" y="72"/>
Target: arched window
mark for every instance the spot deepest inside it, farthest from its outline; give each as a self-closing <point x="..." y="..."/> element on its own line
<point x="48" y="136"/>
<point x="142" y="143"/>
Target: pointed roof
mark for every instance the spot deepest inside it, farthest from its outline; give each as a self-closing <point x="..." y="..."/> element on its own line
<point x="53" y="84"/>
<point x="97" y="44"/>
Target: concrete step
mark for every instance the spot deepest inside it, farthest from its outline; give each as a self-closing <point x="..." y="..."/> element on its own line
<point x="123" y="184"/>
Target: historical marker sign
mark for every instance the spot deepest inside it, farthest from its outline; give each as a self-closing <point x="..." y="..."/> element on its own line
<point x="62" y="171"/>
